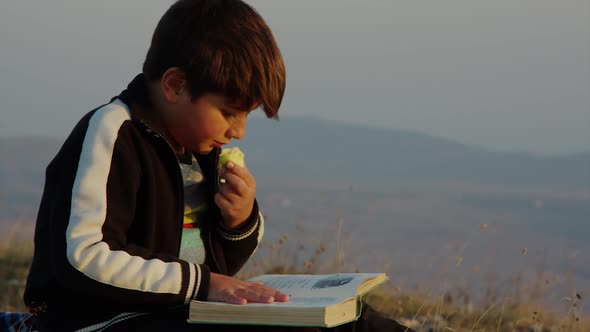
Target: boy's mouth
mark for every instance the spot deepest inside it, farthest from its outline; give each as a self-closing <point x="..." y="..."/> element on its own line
<point x="218" y="144"/>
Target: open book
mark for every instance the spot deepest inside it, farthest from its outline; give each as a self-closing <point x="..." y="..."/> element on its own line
<point x="314" y="300"/>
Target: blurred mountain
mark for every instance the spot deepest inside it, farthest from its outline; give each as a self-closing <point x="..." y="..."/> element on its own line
<point x="22" y="175"/>
<point x="317" y="149"/>
<point x="314" y="149"/>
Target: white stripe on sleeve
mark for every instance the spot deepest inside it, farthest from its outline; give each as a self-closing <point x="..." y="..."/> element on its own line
<point x="86" y="251"/>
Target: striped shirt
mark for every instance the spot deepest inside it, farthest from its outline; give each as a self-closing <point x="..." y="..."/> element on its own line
<point x="192" y="248"/>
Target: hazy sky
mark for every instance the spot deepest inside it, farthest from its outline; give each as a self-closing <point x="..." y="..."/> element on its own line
<point x="506" y="74"/>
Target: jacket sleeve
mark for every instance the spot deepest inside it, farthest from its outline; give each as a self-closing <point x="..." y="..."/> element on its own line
<point x="97" y="259"/>
<point x="240" y="244"/>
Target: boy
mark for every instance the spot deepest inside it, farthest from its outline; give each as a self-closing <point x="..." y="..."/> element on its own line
<point x="110" y="223"/>
<point x="134" y="222"/>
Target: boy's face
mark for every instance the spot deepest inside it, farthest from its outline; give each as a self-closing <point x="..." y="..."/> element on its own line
<point x="202" y="123"/>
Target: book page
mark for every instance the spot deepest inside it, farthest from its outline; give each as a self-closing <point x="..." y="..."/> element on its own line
<point x="294" y="301"/>
<point x="332" y="286"/>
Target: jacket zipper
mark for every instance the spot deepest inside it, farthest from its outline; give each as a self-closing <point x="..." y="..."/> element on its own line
<point x="179" y="182"/>
<point x="215" y="190"/>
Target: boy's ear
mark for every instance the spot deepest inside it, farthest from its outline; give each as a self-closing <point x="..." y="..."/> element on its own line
<point x="173" y="84"/>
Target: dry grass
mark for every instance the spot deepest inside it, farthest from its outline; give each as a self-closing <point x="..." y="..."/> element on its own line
<point x="432" y="312"/>
<point x="421" y="310"/>
<point x="15" y="260"/>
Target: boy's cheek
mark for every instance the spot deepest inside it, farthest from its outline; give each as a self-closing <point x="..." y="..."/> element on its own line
<point x="210" y="128"/>
<point x="203" y="134"/>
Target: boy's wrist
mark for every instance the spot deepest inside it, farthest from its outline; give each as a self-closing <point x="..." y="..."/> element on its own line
<point x="244" y="229"/>
<point x="202" y="291"/>
<point x="245" y="224"/>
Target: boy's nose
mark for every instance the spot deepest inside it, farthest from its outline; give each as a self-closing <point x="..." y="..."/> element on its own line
<point x="238" y="129"/>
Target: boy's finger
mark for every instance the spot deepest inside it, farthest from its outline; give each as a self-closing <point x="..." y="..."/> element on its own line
<point x="222" y="202"/>
<point x="236" y="183"/>
<point x="281" y="297"/>
<point x="254" y="296"/>
<point x="242" y="172"/>
<point x="263" y="289"/>
<point x="234" y="299"/>
<point x="229" y="193"/>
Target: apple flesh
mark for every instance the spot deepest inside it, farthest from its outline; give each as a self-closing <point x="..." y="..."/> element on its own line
<point x="234" y="155"/>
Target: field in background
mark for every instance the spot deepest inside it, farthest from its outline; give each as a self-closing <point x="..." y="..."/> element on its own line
<point x="423" y="309"/>
<point x="453" y="308"/>
<point x="460" y="257"/>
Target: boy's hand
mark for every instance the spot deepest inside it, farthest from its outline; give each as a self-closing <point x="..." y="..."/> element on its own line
<point x="231" y="290"/>
<point x="235" y="198"/>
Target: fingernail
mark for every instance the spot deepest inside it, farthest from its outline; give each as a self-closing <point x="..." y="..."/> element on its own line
<point x="230" y="164"/>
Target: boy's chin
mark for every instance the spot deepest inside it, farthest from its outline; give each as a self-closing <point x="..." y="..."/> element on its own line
<point x="205" y="150"/>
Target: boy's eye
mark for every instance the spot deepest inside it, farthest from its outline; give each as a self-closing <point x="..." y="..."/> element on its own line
<point x="232" y="113"/>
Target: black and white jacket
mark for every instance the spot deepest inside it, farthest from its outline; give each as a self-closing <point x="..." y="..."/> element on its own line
<point x="108" y="230"/>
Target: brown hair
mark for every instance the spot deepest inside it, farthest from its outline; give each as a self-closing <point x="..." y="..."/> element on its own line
<point x="222" y="46"/>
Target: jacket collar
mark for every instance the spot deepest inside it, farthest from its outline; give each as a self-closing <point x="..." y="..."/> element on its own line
<point x="137" y="98"/>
